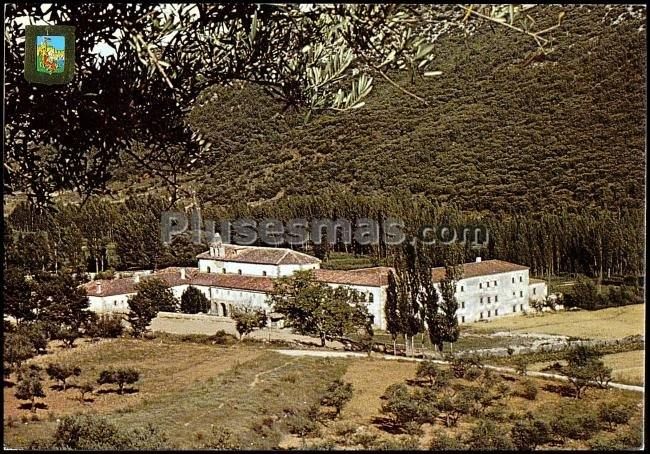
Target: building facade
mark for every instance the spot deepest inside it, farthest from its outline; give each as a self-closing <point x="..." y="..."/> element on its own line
<point x="241" y="277"/>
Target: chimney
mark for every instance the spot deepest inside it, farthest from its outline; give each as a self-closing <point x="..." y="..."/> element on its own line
<point x="478" y="259"/>
<point x="182" y="273"/>
<point x="136" y="278"/>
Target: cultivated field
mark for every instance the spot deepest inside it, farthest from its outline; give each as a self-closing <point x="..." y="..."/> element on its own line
<point x="610" y="323"/>
<point x="193" y="391"/>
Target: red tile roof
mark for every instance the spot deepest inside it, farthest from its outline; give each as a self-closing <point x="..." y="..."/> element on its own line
<point x="483" y="268"/>
<point x="367" y="277"/>
<point x="261" y="255"/>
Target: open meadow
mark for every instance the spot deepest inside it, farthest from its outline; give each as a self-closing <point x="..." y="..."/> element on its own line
<point x="610" y="323"/>
<point x="196" y="392"/>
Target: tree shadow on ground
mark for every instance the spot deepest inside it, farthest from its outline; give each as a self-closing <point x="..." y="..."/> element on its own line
<point x="561" y="389"/>
<point x="117" y="391"/>
<point x="387" y="425"/>
<point x="37" y="405"/>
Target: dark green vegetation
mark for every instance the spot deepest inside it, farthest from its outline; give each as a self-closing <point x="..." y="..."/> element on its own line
<point x="502" y="133"/>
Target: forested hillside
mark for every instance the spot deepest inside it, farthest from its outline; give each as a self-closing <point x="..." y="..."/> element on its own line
<point x="505" y="129"/>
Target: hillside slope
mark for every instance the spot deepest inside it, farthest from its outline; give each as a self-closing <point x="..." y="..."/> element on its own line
<point x="500" y="133"/>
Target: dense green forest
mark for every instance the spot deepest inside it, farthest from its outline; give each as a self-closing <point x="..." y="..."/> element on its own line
<point x="505" y="129"/>
<point x="548" y="152"/>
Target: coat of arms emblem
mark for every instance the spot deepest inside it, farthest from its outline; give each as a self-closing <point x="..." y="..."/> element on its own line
<point x="49" y="53"/>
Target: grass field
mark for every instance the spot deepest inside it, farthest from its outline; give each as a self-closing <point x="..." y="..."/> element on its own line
<point x="191" y="391"/>
<point x="185" y="388"/>
<point x="627" y="367"/>
<point x="610" y="323"/>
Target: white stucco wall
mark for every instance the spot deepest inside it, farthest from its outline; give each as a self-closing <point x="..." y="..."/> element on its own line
<point x="495" y="295"/>
<point x="251" y="269"/>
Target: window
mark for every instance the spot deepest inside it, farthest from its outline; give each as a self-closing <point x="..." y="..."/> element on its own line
<point x="513" y="293"/>
<point x="489" y="314"/>
<point x="496" y="298"/>
<point x="371" y="298"/>
<point x="521" y="293"/>
<point x="462" y="319"/>
<point x="481" y="300"/>
<point x="480" y="285"/>
<point x="481" y="315"/>
<point x="462" y="288"/>
<point x="489" y="300"/>
<point x="488" y="283"/>
<point x="521" y="279"/>
<point x="521" y="307"/>
<point x="514" y="308"/>
<point x="114" y="303"/>
<point x="534" y="291"/>
<point x="495" y="283"/>
<point x="263" y="273"/>
<point x="208" y="269"/>
<point x="462" y="304"/>
<point x="238" y="271"/>
<point x="496" y="312"/>
<point x="223" y="270"/>
<point x="513" y="280"/>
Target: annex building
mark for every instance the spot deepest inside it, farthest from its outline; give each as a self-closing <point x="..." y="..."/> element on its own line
<point x="233" y="276"/>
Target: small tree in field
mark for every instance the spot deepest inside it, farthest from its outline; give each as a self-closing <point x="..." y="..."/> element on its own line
<point x="530" y="433"/>
<point x="17" y="348"/>
<point x="614" y="413"/>
<point x="247" y="322"/>
<point x="84" y="389"/>
<point x="119" y="377"/>
<point x="428" y="370"/>
<point x="194" y="301"/>
<point x="338" y="394"/>
<point x="30" y="385"/>
<point x="61" y="372"/>
<point x="584" y="367"/>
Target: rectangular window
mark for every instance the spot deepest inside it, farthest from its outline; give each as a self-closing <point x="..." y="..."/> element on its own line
<point x="489" y="314"/>
<point x="481" y="315"/>
<point x="534" y="291"/>
<point x="462" y="319"/>
<point x="480" y="285"/>
<point x="481" y="300"/>
<point x="496" y="312"/>
<point x="521" y="307"/>
<point x="488" y="283"/>
<point x="513" y="280"/>
<point x="462" y="288"/>
<point x="489" y="300"/>
<point x="521" y="293"/>
<point x="495" y="283"/>
<point x="514" y="308"/>
<point x="462" y="304"/>
<point x="496" y="298"/>
<point x="514" y="294"/>
<point x="521" y="279"/>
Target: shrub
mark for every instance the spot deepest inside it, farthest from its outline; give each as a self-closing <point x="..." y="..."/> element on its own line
<point x="486" y="435"/>
<point x="30" y="385"/>
<point x="530" y="433"/>
<point x="344" y="428"/>
<point x="223" y="338"/>
<point x="337" y="395"/>
<point x="584" y="366"/>
<point x="613" y="413"/>
<point x="61" y="372"/>
<point x="406" y="408"/>
<point x="521" y="365"/>
<point x="472" y="374"/>
<point x="528" y="390"/>
<point x="301" y="425"/>
<point x="247" y="322"/>
<point x="17" y="348"/>
<point x="578" y="422"/>
<point x="428" y="370"/>
<point x="627" y="440"/>
<point x="443" y="442"/>
<point x="94" y="432"/>
<point x="106" y="326"/>
<point x="120" y="377"/>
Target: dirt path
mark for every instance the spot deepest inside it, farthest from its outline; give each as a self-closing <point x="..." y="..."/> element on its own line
<point x="256" y="379"/>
